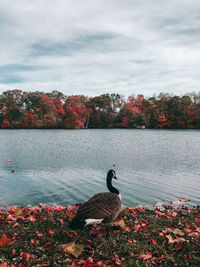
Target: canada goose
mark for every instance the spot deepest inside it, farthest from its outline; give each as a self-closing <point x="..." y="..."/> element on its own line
<point x="102" y="207"/>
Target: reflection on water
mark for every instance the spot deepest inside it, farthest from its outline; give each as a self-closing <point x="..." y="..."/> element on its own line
<point x="69" y="166"/>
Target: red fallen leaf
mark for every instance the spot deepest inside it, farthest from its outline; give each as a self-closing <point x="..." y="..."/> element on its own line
<point x="132" y="254"/>
<point x="61" y="221"/>
<point x="193" y="234"/>
<point x="26" y="258"/>
<point x="31" y="218"/>
<point x="144" y="257"/>
<point x="13" y="251"/>
<point x="97" y="230"/>
<point x="161" y="257"/>
<point x="143" y="224"/>
<point x="86" y="264"/>
<point x="178" y="245"/>
<point x="42" y="205"/>
<point x="188" y="230"/>
<point x="173" y="214"/>
<point x="33" y="240"/>
<point x="197" y="228"/>
<point x="4" y="264"/>
<point x="137" y="227"/>
<point x="160" y="213"/>
<point x="48" y="244"/>
<point x="130" y="241"/>
<point x="137" y="209"/>
<point x="50" y="232"/>
<point x="58" y="208"/>
<point x="197" y="220"/>
<point x="14" y="225"/>
<point x="153" y="241"/>
<point x="11" y="218"/>
<point x="35" y="210"/>
<point x="117" y="260"/>
<point x="39" y="234"/>
<point x="90" y="260"/>
<point x="4" y="241"/>
<point x="13" y="209"/>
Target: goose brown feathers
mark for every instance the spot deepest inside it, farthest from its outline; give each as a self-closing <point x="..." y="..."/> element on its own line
<point x="102" y="207"/>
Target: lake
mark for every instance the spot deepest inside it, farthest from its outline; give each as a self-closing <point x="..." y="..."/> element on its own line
<point x="69" y="166"/>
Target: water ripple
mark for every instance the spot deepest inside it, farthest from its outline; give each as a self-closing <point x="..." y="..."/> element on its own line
<point x="70" y="166"/>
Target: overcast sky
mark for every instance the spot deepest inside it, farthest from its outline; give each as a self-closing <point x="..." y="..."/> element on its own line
<point x="92" y="47"/>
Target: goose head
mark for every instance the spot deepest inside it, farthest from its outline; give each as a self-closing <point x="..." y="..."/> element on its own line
<point x="111" y="175"/>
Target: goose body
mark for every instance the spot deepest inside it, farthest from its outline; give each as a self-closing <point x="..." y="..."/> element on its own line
<point x="102" y="207"/>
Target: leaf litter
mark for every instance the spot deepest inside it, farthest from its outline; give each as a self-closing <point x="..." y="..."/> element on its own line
<point x="40" y="236"/>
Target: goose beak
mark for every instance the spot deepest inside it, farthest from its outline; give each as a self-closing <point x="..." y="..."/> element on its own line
<point x="115" y="177"/>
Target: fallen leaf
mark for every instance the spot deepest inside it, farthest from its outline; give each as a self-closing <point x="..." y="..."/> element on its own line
<point x="42" y="205"/>
<point x="31" y="218"/>
<point x="160" y="213"/>
<point x="11" y="218"/>
<point x="13" y="209"/>
<point x="144" y="257"/>
<point x="178" y="245"/>
<point x="50" y="232"/>
<point x="71" y="248"/>
<point x="177" y="231"/>
<point x="26" y="258"/>
<point x="39" y="234"/>
<point x="143" y="224"/>
<point x="4" y="264"/>
<point x="197" y="220"/>
<point x="19" y="212"/>
<point x="97" y="230"/>
<point x="181" y="201"/>
<point x="4" y="241"/>
<point x="15" y="225"/>
<point x="121" y="223"/>
<point x="167" y="230"/>
<point x="193" y="234"/>
<point x="153" y="241"/>
<point x="176" y="240"/>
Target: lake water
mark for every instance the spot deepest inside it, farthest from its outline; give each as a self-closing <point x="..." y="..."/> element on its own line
<point x="69" y="166"/>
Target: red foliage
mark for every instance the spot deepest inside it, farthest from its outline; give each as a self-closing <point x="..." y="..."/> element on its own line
<point x="4" y="241"/>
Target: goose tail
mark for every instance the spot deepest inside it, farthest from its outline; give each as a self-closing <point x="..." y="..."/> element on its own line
<point x="77" y="223"/>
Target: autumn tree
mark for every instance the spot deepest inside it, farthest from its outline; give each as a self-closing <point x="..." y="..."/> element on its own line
<point x="12" y="108"/>
<point x="77" y="112"/>
<point x="105" y="108"/>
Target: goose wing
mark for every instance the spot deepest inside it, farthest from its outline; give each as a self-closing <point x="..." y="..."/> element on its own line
<point x="101" y="206"/>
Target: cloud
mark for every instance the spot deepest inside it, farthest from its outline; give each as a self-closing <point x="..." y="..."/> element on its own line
<point x="92" y="47"/>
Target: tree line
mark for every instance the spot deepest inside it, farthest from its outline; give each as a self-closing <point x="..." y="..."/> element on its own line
<point x="20" y="109"/>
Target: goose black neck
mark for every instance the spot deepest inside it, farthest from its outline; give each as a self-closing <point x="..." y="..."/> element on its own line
<point x="111" y="188"/>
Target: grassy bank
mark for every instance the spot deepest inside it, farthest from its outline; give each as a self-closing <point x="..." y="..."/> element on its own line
<point x="40" y="236"/>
